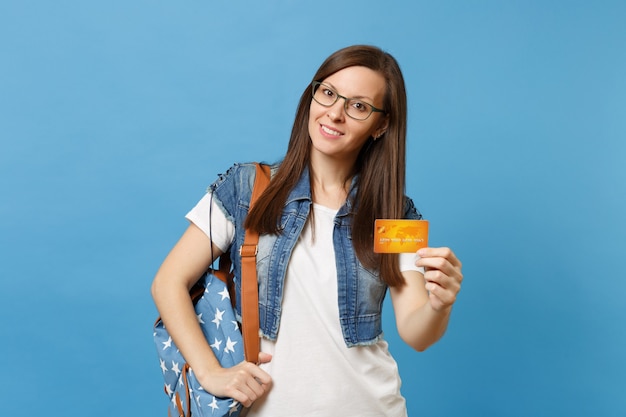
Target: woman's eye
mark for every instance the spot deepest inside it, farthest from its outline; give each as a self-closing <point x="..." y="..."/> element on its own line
<point x="329" y="93"/>
<point x="359" y="106"/>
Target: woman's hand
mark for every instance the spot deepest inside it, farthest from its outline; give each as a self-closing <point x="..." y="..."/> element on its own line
<point x="245" y="382"/>
<point x="442" y="275"/>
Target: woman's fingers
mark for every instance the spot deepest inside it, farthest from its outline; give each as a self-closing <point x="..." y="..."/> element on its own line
<point x="254" y="383"/>
<point x="264" y="357"/>
<point x="245" y="382"/>
<point x="442" y="261"/>
<point x="440" y="297"/>
<point x="443" y="252"/>
<point x="442" y="275"/>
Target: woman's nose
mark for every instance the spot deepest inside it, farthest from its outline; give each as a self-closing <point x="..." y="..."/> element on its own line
<point x="336" y="111"/>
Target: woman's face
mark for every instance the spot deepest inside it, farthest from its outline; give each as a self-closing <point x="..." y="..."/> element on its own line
<point x="333" y="133"/>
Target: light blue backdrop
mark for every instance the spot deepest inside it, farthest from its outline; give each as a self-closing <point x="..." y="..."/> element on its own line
<point x="115" y="116"/>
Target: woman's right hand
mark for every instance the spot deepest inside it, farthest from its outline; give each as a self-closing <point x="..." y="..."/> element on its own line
<point x="245" y="382"/>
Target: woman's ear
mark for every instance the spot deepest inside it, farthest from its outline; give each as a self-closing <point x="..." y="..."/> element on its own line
<point x="382" y="128"/>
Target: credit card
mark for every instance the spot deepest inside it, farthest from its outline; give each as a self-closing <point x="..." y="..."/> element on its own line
<point x="399" y="236"/>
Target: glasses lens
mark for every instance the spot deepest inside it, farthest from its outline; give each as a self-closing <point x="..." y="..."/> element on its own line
<point x="324" y="95"/>
<point x="357" y="109"/>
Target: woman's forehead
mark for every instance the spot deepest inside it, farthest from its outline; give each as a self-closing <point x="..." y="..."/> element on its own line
<point x="358" y="82"/>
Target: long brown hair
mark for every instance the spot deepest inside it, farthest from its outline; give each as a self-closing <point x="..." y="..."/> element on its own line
<point x="380" y="164"/>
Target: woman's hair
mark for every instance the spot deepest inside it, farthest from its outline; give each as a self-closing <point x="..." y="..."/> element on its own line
<point x="380" y="165"/>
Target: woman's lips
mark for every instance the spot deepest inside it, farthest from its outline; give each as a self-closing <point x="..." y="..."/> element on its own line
<point x="329" y="131"/>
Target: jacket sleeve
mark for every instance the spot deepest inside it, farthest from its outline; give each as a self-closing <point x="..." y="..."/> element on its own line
<point x="410" y="212"/>
<point x="232" y="190"/>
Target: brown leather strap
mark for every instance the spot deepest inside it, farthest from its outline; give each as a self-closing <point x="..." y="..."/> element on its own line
<point x="183" y="411"/>
<point x="223" y="272"/>
<point x="249" y="284"/>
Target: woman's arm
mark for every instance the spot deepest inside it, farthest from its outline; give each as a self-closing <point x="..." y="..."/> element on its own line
<point x="183" y="266"/>
<point x="423" y="305"/>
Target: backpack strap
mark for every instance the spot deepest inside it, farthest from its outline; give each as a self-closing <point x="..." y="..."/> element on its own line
<point x="249" y="283"/>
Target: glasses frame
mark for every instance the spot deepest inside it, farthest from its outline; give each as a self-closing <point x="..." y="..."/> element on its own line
<point x="316" y="84"/>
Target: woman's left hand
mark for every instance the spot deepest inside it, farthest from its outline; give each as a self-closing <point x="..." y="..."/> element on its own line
<point x="443" y="276"/>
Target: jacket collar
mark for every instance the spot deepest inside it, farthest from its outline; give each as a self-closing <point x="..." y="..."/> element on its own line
<point x="302" y="189"/>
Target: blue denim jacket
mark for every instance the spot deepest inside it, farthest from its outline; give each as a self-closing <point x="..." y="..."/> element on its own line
<point x="360" y="290"/>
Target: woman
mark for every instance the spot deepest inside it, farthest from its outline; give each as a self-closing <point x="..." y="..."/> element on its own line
<point x="321" y="285"/>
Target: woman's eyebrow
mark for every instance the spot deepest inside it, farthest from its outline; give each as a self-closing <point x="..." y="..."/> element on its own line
<point x="336" y="90"/>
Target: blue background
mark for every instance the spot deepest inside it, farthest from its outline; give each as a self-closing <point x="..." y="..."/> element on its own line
<point x="115" y="116"/>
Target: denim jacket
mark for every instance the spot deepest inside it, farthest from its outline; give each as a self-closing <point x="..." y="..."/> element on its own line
<point x="360" y="290"/>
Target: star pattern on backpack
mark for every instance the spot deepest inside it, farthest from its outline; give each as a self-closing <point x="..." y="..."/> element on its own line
<point x="218" y="322"/>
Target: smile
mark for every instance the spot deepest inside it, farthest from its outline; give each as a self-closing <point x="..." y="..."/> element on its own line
<point x="330" y="131"/>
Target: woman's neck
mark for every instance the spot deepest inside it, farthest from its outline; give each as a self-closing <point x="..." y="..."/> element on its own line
<point x="330" y="181"/>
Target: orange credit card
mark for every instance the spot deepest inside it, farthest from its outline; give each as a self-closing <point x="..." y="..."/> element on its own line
<point x="398" y="236"/>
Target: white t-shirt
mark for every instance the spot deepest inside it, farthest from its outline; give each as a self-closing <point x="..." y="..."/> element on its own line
<point x="314" y="373"/>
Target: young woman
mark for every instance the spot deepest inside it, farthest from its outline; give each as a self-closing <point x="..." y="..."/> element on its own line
<point x="321" y="286"/>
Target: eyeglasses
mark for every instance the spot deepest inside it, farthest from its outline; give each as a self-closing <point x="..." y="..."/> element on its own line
<point x="355" y="108"/>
